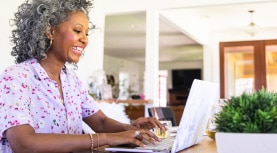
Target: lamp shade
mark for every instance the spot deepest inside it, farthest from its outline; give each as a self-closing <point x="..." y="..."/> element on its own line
<point x="252" y="29"/>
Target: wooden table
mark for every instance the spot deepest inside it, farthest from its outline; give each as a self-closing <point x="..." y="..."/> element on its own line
<point x="207" y="145"/>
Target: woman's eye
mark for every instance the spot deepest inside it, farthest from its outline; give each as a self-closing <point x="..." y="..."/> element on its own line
<point x="80" y="31"/>
<point x="77" y="31"/>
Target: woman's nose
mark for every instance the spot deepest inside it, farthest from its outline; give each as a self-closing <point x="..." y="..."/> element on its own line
<point x="84" y="39"/>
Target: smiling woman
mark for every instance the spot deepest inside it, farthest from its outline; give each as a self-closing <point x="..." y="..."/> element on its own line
<point x="42" y="101"/>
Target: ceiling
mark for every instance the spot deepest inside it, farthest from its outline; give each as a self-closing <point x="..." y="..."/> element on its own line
<point x="184" y="30"/>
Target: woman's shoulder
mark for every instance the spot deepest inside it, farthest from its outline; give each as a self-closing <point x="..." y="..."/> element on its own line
<point x="18" y="69"/>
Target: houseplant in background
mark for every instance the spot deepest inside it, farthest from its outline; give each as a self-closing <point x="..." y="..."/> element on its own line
<point x="248" y="123"/>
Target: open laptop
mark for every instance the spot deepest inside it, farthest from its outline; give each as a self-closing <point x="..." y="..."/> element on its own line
<point x="202" y="96"/>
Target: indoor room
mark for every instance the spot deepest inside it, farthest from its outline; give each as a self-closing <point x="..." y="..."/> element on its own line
<point x="143" y="56"/>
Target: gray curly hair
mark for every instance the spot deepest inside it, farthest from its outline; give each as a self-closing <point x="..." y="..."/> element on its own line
<point x="32" y="20"/>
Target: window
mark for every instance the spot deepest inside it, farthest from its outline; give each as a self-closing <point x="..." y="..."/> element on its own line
<point x="247" y="66"/>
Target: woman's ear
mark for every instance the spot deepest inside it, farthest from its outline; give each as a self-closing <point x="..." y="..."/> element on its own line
<point x="49" y="32"/>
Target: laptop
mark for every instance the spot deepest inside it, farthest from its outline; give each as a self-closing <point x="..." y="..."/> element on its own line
<point x="202" y="96"/>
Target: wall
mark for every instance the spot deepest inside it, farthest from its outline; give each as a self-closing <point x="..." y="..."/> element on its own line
<point x="114" y="66"/>
<point x="6" y="13"/>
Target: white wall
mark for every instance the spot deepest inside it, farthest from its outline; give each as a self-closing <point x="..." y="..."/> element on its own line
<point x="7" y="10"/>
<point x="114" y="66"/>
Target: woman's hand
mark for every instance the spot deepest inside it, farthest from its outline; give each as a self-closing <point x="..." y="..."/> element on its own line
<point x="134" y="137"/>
<point x="148" y="123"/>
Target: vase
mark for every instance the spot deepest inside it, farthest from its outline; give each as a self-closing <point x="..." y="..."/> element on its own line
<point x="246" y="142"/>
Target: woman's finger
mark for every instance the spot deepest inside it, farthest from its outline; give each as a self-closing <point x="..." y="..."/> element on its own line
<point x="147" y="135"/>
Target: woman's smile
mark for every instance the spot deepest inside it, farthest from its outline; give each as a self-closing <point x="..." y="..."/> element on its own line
<point x="78" y="50"/>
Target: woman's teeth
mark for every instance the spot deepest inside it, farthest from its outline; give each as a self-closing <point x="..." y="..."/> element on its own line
<point x="77" y="49"/>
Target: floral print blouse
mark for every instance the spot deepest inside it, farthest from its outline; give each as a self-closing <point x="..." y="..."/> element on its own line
<point x="29" y="96"/>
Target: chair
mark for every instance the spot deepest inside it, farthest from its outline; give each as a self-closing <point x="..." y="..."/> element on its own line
<point x="163" y="113"/>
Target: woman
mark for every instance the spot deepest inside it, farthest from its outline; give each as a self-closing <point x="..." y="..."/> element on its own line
<point x="42" y="102"/>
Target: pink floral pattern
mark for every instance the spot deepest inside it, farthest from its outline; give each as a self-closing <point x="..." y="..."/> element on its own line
<point x="29" y="96"/>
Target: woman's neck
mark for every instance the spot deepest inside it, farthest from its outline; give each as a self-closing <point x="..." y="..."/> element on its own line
<point x="52" y="68"/>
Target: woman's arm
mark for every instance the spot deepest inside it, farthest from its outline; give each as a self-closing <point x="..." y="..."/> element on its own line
<point x="23" y="139"/>
<point x="99" y="122"/>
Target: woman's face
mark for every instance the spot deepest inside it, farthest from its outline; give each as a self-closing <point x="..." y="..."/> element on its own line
<point x="70" y="38"/>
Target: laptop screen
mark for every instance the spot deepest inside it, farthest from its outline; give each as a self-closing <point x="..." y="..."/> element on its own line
<point x="202" y="96"/>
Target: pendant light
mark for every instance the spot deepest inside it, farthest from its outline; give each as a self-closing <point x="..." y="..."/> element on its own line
<point x="252" y="28"/>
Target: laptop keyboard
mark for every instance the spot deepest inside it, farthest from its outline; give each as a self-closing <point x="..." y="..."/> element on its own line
<point x="164" y="144"/>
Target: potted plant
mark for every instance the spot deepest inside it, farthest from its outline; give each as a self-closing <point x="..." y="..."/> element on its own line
<point x="248" y="123"/>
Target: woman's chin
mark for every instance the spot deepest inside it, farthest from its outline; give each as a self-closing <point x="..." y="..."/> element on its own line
<point x="75" y="59"/>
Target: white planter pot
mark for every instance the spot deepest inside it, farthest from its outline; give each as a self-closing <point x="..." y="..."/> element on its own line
<point x="246" y="143"/>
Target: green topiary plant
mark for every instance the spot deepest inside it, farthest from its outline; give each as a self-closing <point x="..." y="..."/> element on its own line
<point x="249" y="113"/>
